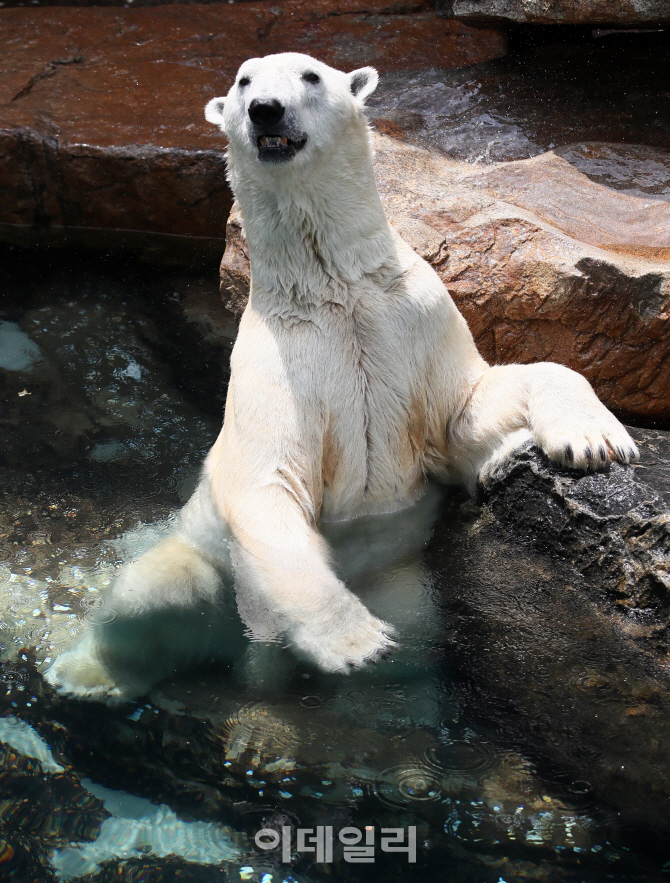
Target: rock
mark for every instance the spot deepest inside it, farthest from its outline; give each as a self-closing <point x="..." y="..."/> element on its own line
<point x="234" y="271"/>
<point x="545" y="261"/>
<point x="535" y="99"/>
<point x="619" y="13"/>
<point x="102" y="135"/>
<point x="613" y="527"/>
<point x="535" y="644"/>
<point x="557" y="267"/>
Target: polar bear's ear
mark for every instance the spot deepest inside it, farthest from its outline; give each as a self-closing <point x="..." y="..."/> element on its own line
<point x="214" y="111"/>
<point x="363" y="82"/>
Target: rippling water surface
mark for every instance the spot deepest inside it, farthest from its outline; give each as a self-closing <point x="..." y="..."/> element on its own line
<point x="514" y="730"/>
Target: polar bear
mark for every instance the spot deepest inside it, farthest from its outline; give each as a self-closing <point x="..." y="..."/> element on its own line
<point x="354" y="378"/>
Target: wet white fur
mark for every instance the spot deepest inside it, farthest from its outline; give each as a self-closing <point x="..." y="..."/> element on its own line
<point x="353" y="378"/>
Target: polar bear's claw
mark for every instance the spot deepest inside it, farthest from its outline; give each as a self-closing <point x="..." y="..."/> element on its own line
<point x="589" y="445"/>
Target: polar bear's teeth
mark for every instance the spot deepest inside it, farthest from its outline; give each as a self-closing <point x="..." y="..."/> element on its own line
<point x="273" y="141"/>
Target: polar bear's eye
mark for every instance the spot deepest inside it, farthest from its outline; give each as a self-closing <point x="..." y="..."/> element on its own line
<point x="243" y="81"/>
<point x="311" y="78"/>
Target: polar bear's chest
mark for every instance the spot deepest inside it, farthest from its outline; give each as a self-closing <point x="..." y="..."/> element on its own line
<point x="377" y="428"/>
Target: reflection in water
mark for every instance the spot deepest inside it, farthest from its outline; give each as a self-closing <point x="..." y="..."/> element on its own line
<point x="138" y="827"/>
<point x="134" y="825"/>
<point x="513" y="727"/>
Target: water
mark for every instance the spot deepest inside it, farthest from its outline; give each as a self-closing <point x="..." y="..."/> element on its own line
<point x="515" y="729"/>
<point x="540" y="97"/>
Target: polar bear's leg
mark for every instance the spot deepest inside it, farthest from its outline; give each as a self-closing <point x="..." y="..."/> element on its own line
<point x="264" y="666"/>
<point x="571" y="424"/>
<point x="378" y="556"/>
<point x="162" y="611"/>
<point x="552" y="405"/>
<point x="317" y="613"/>
<point x="166" y="613"/>
<point x="286" y="586"/>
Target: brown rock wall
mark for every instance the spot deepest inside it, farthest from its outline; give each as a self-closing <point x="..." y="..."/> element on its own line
<point x="529" y="296"/>
<point x="101" y="109"/>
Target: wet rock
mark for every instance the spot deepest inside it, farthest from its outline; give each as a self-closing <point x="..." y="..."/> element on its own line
<point x="103" y="140"/>
<point x="613" y="527"/>
<point x="235" y="271"/>
<point x="62" y="429"/>
<point x="539" y="653"/>
<point x="545" y="259"/>
<point x="535" y="99"/>
<point x="621" y="13"/>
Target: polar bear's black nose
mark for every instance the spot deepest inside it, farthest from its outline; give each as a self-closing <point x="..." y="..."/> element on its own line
<point x="266" y="113"/>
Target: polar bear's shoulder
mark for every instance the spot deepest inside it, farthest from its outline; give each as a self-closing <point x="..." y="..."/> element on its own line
<point x="420" y="283"/>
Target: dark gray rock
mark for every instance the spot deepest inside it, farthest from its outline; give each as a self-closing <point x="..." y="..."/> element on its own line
<point x="548" y="667"/>
<point x="612" y="526"/>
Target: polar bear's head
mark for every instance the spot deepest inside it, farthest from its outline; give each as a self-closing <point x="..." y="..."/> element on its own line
<point x="284" y="108"/>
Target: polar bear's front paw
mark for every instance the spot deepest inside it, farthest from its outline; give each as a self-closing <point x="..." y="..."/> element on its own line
<point x="79" y="673"/>
<point x="589" y="445"/>
<point x="345" y="643"/>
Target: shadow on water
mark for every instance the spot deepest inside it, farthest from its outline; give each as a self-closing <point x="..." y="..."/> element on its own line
<point x="514" y="727"/>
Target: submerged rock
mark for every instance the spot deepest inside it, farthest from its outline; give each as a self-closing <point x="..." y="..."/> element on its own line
<point x="43" y="806"/>
<point x="75" y="826"/>
<point x="73" y="369"/>
<point x="335" y="756"/>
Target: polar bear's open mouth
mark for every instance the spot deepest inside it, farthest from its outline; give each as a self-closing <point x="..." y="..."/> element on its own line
<point x="278" y="148"/>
